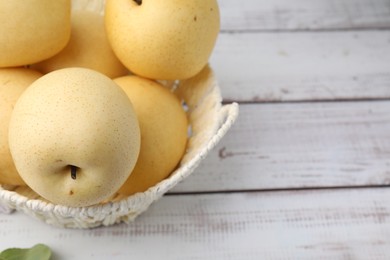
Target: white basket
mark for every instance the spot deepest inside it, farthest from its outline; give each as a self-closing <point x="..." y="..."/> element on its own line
<point x="209" y="121"/>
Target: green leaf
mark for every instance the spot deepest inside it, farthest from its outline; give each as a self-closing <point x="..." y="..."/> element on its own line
<point x="37" y="252"/>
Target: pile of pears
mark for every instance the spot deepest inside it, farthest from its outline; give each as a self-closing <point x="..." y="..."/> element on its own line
<point x="83" y="115"/>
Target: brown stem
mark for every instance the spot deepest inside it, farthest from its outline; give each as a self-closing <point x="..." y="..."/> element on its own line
<point x="73" y="171"/>
<point x="139" y="2"/>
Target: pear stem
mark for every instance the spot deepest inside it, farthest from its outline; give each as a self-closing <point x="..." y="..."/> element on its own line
<point x="139" y="2"/>
<point x="73" y="171"/>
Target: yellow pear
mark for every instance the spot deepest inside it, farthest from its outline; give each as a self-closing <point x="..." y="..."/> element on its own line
<point x="170" y="39"/>
<point x="13" y="82"/>
<point x="74" y="137"/>
<point x="163" y="124"/>
<point x="32" y="30"/>
<point x="88" y="47"/>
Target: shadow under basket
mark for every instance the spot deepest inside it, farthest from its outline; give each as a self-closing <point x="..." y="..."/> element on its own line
<point x="209" y="121"/>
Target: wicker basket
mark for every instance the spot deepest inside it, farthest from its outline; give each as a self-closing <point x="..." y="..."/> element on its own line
<point x="209" y="121"/>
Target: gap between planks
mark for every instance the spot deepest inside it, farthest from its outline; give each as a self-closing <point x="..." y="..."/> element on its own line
<point x="254" y="102"/>
<point x="274" y="190"/>
<point x="276" y="31"/>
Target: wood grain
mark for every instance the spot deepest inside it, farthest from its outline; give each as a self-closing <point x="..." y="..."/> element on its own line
<point x="299" y="145"/>
<point x="268" y="67"/>
<point x="298" y="15"/>
<point x="333" y="224"/>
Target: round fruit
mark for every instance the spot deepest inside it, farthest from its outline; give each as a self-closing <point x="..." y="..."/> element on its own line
<point x="163" y="124"/>
<point x="13" y="82"/>
<point x="88" y="47"/>
<point x="32" y="30"/>
<point x="74" y="137"/>
<point x="170" y="39"/>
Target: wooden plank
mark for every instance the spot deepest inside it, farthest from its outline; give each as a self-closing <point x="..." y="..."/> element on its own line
<point x="330" y="224"/>
<point x="295" y="145"/>
<point x="281" y="15"/>
<point x="264" y="15"/>
<point x="257" y="67"/>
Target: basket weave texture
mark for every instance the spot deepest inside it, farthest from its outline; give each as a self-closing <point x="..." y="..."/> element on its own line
<point x="209" y="121"/>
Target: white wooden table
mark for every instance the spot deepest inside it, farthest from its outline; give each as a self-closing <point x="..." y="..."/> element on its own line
<point x="305" y="171"/>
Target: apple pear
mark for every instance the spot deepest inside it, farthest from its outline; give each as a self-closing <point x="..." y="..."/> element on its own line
<point x="170" y="39"/>
<point x="13" y="82"/>
<point x="74" y="137"/>
<point x="32" y="30"/>
<point x="164" y="126"/>
<point x="88" y="47"/>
